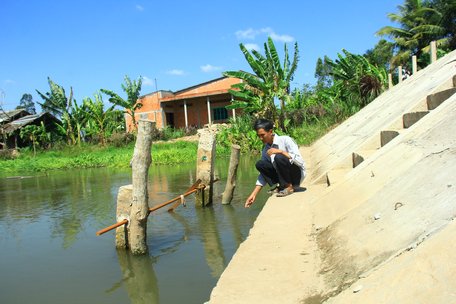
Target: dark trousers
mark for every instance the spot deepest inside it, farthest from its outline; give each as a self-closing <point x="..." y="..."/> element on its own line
<point x="281" y="172"/>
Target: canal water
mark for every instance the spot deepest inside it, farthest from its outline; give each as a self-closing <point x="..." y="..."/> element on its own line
<point x="49" y="252"/>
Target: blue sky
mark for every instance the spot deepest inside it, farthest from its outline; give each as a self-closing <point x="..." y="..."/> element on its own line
<point x="90" y="45"/>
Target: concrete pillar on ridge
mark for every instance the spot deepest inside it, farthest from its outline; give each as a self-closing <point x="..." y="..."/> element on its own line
<point x="414" y="65"/>
<point x="433" y="52"/>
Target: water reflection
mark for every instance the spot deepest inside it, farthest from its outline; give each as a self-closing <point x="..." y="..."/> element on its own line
<point x="52" y="219"/>
<point x="138" y="277"/>
<point x="210" y="237"/>
<point x="235" y="225"/>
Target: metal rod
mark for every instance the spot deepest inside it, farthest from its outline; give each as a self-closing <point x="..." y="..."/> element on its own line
<point x="193" y="188"/>
<point x="100" y="232"/>
<point x="171" y="201"/>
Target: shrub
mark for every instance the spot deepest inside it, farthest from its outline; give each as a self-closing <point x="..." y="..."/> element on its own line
<point x="121" y="139"/>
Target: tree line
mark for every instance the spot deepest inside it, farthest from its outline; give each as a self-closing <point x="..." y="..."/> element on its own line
<point x="343" y="85"/>
<point x="88" y="121"/>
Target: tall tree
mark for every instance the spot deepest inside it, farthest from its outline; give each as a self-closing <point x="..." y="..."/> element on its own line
<point x="323" y="72"/>
<point x="27" y="104"/>
<point x="132" y="103"/>
<point x="269" y="81"/>
<point x="447" y="9"/>
<point x="418" y="27"/>
<point x="381" y="54"/>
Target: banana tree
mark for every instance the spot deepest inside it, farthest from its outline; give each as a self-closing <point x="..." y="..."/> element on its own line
<point x="358" y="81"/>
<point x="98" y="118"/>
<point x="269" y="81"/>
<point x="132" y="103"/>
<point x="35" y="134"/>
<point x="57" y="103"/>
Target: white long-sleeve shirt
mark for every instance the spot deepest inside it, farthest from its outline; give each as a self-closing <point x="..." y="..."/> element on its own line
<point x="284" y="143"/>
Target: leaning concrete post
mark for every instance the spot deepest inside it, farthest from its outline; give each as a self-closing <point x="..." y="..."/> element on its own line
<point x="231" y="179"/>
<point x="433" y="51"/>
<point x="139" y="204"/>
<point x="414" y="65"/>
<point x="205" y="164"/>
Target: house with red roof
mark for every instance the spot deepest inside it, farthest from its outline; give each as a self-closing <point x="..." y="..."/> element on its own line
<point x="195" y="106"/>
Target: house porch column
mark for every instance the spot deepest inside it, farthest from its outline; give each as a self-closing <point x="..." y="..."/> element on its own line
<point x="209" y="111"/>
<point x="185" y="113"/>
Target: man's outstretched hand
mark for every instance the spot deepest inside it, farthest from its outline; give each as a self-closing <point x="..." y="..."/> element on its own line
<point x="250" y="200"/>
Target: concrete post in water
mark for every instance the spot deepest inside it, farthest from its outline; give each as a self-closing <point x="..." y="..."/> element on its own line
<point x="205" y="164"/>
<point x="414" y="65"/>
<point x="141" y="161"/>
<point x="232" y="171"/>
<point x="390" y="81"/>
<point x="123" y="213"/>
<point x="433" y="47"/>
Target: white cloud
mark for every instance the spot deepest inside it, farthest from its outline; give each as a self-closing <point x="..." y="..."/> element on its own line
<point x="282" y="38"/>
<point x="251" y="34"/>
<point x="266" y="30"/>
<point x="252" y="46"/>
<point x="176" y="72"/>
<point x="147" y="81"/>
<point x="246" y="34"/>
<point x="139" y="7"/>
<point x="210" y="68"/>
<point x="9" y="82"/>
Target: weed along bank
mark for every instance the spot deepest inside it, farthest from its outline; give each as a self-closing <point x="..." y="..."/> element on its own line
<point x="194" y="106"/>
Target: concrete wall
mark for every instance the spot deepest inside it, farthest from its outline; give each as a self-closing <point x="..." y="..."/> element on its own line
<point x="378" y="232"/>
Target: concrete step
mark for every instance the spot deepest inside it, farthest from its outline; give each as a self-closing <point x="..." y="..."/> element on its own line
<point x="336" y="175"/>
<point x="434" y="100"/>
<point x="409" y="119"/>
<point x="387" y="136"/>
<point x="359" y="157"/>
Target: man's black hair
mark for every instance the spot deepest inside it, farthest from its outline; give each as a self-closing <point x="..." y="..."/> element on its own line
<point x="263" y="124"/>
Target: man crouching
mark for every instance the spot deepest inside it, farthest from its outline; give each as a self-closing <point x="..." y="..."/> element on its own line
<point x="281" y="164"/>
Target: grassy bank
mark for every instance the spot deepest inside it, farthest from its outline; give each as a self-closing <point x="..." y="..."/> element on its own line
<point x="90" y="156"/>
<point x="163" y="153"/>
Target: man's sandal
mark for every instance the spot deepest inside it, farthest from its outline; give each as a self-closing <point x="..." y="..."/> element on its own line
<point x="274" y="189"/>
<point x="284" y="192"/>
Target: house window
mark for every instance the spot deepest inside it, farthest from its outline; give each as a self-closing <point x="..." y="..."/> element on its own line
<point x="220" y="114"/>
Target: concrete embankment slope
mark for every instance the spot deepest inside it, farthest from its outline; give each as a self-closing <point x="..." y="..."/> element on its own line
<point x="376" y="222"/>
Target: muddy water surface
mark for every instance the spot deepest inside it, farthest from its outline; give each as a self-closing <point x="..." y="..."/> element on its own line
<point x="49" y="252"/>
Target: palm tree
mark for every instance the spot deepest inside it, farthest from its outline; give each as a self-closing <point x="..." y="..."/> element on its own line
<point x="447" y="22"/>
<point x="131" y="104"/>
<point x="418" y="27"/>
<point x="270" y="80"/>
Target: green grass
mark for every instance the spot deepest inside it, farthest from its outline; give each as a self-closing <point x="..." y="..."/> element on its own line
<point x="90" y="156"/>
<point x="307" y="134"/>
